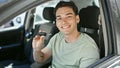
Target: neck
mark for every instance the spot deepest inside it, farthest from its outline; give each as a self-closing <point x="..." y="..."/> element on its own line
<point x="72" y="37"/>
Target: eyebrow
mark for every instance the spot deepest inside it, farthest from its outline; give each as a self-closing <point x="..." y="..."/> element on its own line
<point x="66" y="14"/>
<point x="69" y="14"/>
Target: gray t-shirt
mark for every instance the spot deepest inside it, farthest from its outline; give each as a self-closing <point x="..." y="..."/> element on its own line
<point x="78" y="54"/>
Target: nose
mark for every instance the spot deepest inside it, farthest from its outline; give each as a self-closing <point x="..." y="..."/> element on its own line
<point x="64" y="20"/>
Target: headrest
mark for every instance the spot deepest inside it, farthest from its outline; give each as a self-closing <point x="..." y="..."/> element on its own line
<point x="48" y="13"/>
<point x="89" y="17"/>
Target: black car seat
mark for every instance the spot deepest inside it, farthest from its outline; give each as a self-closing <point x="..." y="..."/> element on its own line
<point x="89" y="24"/>
<point x="50" y="29"/>
<point x="46" y="26"/>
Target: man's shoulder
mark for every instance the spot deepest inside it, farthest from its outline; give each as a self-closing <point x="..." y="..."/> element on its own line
<point x="86" y="38"/>
<point x="88" y="41"/>
<point x="58" y="35"/>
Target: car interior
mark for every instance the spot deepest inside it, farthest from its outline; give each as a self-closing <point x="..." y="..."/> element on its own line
<point x="89" y="24"/>
<point x="17" y="46"/>
<point x="89" y="17"/>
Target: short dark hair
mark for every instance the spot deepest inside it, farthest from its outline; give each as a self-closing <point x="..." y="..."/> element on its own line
<point x="70" y="4"/>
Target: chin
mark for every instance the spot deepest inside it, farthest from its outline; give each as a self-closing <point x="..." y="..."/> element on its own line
<point x="66" y="33"/>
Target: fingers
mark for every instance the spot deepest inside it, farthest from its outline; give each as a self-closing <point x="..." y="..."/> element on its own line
<point x="37" y="42"/>
<point x="42" y="38"/>
<point x="38" y="39"/>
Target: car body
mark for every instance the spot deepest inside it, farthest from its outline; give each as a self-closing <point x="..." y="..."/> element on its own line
<point x="26" y="18"/>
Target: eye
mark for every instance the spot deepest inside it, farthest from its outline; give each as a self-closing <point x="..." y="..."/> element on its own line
<point x="58" y="18"/>
<point x="69" y="17"/>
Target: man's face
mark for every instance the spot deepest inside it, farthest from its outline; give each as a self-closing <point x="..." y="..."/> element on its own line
<point x="66" y="20"/>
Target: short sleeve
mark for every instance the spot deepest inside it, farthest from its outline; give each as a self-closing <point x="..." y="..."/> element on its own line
<point x="90" y="54"/>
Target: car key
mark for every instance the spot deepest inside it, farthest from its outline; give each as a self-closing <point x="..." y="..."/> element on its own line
<point x="42" y="33"/>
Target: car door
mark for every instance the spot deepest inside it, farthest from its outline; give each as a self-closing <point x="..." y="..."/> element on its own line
<point x="12" y="38"/>
<point x="14" y="30"/>
<point x="110" y="20"/>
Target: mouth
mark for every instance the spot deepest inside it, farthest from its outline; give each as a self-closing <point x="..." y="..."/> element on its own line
<point x="65" y="27"/>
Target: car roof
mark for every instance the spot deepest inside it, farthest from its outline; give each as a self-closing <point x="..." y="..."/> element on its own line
<point x="11" y="8"/>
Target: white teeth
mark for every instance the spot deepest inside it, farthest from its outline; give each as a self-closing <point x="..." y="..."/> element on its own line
<point x="65" y="27"/>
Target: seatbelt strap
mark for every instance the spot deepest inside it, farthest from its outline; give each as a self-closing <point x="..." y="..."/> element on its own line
<point x="88" y="30"/>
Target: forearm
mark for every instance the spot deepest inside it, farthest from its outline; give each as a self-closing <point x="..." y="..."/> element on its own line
<point x="38" y="56"/>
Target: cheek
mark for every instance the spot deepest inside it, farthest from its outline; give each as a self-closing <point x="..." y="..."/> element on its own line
<point x="57" y="25"/>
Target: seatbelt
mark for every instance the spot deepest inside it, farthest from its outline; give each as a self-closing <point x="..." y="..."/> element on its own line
<point x="88" y="30"/>
<point x="28" y="46"/>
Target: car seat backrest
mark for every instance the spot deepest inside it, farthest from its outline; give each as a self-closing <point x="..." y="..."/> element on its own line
<point x="89" y="23"/>
<point x="48" y="27"/>
<point x="48" y="13"/>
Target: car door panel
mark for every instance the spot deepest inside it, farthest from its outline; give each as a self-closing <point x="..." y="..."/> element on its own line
<point x="11" y="43"/>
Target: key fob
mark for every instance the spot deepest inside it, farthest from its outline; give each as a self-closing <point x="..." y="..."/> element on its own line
<point x="41" y="33"/>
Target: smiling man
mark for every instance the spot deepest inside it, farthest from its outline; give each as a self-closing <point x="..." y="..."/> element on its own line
<point x="69" y="48"/>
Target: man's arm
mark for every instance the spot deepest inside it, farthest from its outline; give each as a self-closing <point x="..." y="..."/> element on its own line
<point x="90" y="54"/>
<point x="40" y="55"/>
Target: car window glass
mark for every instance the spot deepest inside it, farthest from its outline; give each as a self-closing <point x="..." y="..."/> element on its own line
<point x="39" y="11"/>
<point x="96" y="3"/>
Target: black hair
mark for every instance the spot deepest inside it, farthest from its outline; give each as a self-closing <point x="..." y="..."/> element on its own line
<point x="70" y="4"/>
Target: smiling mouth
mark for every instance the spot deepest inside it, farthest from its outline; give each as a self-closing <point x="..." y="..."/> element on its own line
<point x="65" y="27"/>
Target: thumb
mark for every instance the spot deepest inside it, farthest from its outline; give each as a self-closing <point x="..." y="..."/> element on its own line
<point x="42" y="38"/>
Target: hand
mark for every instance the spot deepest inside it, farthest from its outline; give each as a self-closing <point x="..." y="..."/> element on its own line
<point x="37" y="43"/>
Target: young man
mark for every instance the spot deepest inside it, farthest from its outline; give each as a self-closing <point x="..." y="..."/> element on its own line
<point x="69" y="48"/>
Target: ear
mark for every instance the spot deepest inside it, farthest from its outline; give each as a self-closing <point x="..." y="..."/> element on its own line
<point x="77" y="19"/>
